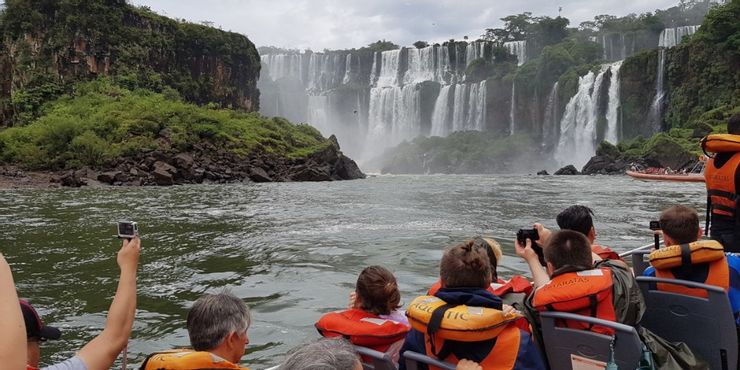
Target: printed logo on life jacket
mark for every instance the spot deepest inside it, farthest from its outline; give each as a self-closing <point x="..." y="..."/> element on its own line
<point x="720" y="177"/>
<point x="595" y="272"/>
<point x="572" y="281"/>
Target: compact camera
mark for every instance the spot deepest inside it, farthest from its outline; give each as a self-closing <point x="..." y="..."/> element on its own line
<point x="655" y="225"/>
<point x="127" y="229"/>
<point x="523" y="234"/>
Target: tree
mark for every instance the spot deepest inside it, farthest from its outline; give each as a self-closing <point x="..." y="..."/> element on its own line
<point x="421" y="44"/>
<point x="515" y="28"/>
<point x="382" y="45"/>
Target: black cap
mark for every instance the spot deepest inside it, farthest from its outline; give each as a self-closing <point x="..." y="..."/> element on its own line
<point x="35" y="328"/>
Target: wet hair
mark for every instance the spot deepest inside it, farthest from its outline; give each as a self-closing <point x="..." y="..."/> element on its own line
<point x="680" y="223"/>
<point x="576" y="218"/>
<point x="465" y="265"/>
<point x="322" y="354"/>
<point x="213" y="317"/>
<point x="733" y="124"/>
<point x="569" y="248"/>
<point x="377" y="291"/>
<point x="485" y="244"/>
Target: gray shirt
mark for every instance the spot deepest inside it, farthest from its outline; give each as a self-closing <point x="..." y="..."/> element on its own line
<point x="74" y="363"/>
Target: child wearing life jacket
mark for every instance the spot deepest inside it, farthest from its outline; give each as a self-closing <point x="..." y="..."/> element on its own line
<point x="463" y="320"/>
<point x="708" y="263"/>
<point x="512" y="291"/>
<point x="373" y="319"/>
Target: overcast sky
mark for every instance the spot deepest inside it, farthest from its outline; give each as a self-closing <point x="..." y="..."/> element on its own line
<point x="340" y="24"/>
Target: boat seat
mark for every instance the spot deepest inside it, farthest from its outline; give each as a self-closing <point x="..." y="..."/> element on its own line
<point x="566" y="347"/>
<point x="378" y="360"/>
<point x="706" y="325"/>
<point x="417" y="361"/>
<point x="639" y="264"/>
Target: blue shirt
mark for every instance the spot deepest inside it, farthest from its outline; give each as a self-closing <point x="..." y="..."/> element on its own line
<point x="733" y="261"/>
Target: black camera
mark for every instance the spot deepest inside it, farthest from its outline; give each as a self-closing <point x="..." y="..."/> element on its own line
<point x="127" y="229"/>
<point x="655" y="225"/>
<point x="523" y="234"/>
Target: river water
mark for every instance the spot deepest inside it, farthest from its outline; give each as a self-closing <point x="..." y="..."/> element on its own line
<point x="291" y="250"/>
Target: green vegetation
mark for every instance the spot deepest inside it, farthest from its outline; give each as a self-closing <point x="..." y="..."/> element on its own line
<point x="101" y="122"/>
<point x="460" y="152"/>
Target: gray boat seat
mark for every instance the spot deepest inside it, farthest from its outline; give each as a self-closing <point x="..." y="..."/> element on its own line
<point x="566" y="347"/>
<point x="639" y="265"/>
<point x="414" y="359"/>
<point x="379" y="360"/>
<point x="706" y="325"/>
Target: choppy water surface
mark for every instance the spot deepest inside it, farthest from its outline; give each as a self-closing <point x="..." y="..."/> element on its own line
<point x="292" y="251"/>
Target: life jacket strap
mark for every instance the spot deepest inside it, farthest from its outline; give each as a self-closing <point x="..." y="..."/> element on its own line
<point x="435" y="323"/>
<point x="686" y="265"/>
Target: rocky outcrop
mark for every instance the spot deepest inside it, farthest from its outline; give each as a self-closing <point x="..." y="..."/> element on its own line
<point x="206" y="163"/>
<point x="605" y="165"/>
<point x="567" y="170"/>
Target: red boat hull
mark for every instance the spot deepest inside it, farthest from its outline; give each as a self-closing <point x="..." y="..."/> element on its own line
<point x="667" y="177"/>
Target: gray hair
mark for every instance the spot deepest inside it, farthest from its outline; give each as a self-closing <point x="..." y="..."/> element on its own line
<point x="213" y="317"/>
<point x="323" y="354"/>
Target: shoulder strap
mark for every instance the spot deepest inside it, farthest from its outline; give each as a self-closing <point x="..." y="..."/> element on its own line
<point x="435" y="323"/>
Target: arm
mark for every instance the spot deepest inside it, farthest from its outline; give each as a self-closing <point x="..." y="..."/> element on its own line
<point x="544" y="234"/>
<point x="539" y="275"/>
<point x="103" y="350"/>
<point x="12" y="326"/>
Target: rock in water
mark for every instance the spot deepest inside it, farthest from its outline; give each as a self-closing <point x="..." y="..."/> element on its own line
<point x="567" y="170"/>
<point x="543" y="173"/>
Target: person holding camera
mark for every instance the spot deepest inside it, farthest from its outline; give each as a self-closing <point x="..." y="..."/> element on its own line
<point x="12" y="350"/>
<point x="708" y="262"/>
<point x="577" y="218"/>
<point x="217" y="327"/>
<point x="101" y="352"/>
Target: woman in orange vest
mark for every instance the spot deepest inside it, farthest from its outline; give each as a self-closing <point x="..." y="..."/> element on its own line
<point x="463" y="320"/>
<point x="373" y="319"/>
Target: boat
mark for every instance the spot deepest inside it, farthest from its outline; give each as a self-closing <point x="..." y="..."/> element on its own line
<point x="679" y="177"/>
<point x="696" y="174"/>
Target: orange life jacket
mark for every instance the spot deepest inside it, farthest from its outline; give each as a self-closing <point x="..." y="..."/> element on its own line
<point x="184" y="359"/>
<point x="710" y="252"/>
<point x="362" y="328"/>
<point x="605" y="253"/>
<point x="467" y="324"/>
<point x="720" y="182"/>
<point x="517" y="284"/>
<point x="587" y="293"/>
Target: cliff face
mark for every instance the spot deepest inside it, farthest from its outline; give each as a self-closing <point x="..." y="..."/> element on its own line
<point x="49" y="45"/>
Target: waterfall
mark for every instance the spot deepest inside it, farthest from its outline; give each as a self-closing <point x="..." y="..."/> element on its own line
<point x="390" y="64"/>
<point x="475" y="50"/>
<point x="280" y="66"/>
<point x="612" y="113"/>
<point x="420" y="66"/>
<point x="443" y="68"/>
<point x="518" y="48"/>
<point x="477" y="107"/>
<point x="550" y="126"/>
<point x="512" y="110"/>
<point x="655" y="116"/>
<point x="441" y="114"/>
<point x="671" y="37"/>
<point x="578" y="127"/>
<point x="458" y="107"/>
<point x="318" y="111"/>
<point x="347" y="70"/>
<point x="394" y="114"/>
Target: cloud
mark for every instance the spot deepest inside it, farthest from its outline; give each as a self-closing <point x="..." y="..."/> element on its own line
<point x="339" y="24"/>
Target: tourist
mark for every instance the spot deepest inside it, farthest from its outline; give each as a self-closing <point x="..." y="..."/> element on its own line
<point x="488" y="338"/>
<point x="680" y="229"/>
<point x="577" y="218"/>
<point x="722" y="177"/>
<point x="511" y="291"/>
<point x="605" y="290"/>
<point x="102" y="351"/>
<point x="217" y="326"/>
<point x="373" y="318"/>
<point x="12" y="349"/>
<point x="323" y="354"/>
